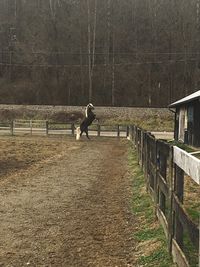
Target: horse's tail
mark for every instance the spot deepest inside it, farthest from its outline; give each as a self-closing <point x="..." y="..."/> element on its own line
<point x="78" y="133"/>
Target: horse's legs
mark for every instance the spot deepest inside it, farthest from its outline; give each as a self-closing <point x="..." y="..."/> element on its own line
<point x="86" y="131"/>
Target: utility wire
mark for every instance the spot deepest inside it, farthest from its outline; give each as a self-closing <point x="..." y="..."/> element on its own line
<point x="96" y="53"/>
<point x="116" y="64"/>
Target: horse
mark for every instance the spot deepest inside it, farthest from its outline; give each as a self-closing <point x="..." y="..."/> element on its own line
<point x="89" y="118"/>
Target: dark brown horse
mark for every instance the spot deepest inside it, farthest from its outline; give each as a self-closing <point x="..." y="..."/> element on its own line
<point x="89" y="118"/>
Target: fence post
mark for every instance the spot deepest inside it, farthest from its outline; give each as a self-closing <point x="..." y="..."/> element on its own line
<point x="179" y="189"/>
<point x="73" y="129"/>
<point x="127" y="131"/>
<point x="143" y="150"/>
<point x="161" y="160"/>
<point x="135" y="139"/>
<point x="12" y="128"/>
<point x="118" y="131"/>
<point x="47" y="127"/>
<point x="131" y="135"/>
<point x="138" y="146"/>
<point x="99" y="130"/>
<point x="170" y="201"/>
<point x="157" y="195"/>
<point x="145" y="156"/>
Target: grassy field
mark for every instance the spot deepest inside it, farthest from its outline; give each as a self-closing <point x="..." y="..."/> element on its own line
<point x="147" y="121"/>
<point x="151" y="242"/>
<point x="146" y="118"/>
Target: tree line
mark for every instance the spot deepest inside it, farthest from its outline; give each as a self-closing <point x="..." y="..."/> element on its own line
<point x="110" y="52"/>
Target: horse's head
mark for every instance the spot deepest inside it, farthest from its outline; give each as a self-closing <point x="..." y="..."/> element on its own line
<point x="90" y="106"/>
<point x="88" y="109"/>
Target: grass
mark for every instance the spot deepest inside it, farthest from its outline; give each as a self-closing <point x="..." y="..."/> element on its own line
<point x="183" y="146"/>
<point x="148" y="122"/>
<point x="151" y="249"/>
<point x="190" y="251"/>
<point x="191" y="199"/>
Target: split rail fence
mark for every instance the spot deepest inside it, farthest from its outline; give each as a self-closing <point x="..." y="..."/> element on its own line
<point x="165" y="167"/>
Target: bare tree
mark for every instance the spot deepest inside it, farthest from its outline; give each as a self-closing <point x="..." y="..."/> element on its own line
<point x="131" y="50"/>
<point x="89" y="50"/>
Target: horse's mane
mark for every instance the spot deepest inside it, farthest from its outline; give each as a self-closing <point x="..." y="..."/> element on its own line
<point x="86" y="109"/>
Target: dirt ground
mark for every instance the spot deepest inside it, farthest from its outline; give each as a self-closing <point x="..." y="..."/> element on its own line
<point x="65" y="203"/>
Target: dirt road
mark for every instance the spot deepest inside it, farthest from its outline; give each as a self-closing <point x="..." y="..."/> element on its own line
<point x="71" y="210"/>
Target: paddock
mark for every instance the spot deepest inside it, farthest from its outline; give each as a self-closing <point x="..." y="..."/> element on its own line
<point x="65" y="203"/>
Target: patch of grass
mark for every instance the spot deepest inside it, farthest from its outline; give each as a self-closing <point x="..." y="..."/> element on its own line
<point x="190" y="251"/>
<point x="191" y="199"/>
<point x="147" y="122"/>
<point x="151" y="247"/>
<point x="159" y="258"/>
<point x="194" y="214"/>
<point x="185" y="147"/>
<point x="147" y="234"/>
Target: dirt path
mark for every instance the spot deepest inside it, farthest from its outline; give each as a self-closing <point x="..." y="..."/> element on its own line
<point x="72" y="210"/>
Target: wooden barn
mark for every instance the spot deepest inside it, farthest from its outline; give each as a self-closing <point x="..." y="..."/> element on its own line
<point x="187" y="119"/>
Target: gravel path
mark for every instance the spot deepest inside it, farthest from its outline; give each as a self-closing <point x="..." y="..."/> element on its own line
<point x="71" y="210"/>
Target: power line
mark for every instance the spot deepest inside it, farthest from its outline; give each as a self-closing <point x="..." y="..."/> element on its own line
<point x="85" y="65"/>
<point x="102" y="53"/>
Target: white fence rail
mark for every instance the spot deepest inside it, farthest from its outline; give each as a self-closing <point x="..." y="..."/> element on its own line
<point x="188" y="163"/>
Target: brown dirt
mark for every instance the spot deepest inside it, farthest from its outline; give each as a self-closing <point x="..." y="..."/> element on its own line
<point x="70" y="207"/>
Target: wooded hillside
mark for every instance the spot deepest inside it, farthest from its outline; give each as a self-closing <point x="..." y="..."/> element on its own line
<point x="110" y="52"/>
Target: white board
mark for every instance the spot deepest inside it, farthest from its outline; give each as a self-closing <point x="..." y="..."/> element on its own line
<point x="188" y="163"/>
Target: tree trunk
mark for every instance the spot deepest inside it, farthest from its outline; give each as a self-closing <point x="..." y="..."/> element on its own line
<point x="89" y="51"/>
<point x="113" y="71"/>
<point x="81" y="54"/>
<point x="94" y="36"/>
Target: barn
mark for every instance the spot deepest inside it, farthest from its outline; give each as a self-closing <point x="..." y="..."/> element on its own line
<point x="187" y="119"/>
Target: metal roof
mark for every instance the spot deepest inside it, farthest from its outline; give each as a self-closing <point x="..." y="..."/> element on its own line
<point x="186" y="99"/>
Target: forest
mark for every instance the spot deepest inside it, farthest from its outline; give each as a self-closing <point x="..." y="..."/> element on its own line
<point x="143" y="53"/>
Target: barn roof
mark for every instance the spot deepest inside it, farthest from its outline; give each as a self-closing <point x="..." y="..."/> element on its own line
<point x="186" y="99"/>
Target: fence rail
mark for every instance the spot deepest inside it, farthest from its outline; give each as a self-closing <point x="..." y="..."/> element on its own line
<point x="165" y="168"/>
<point x="41" y="127"/>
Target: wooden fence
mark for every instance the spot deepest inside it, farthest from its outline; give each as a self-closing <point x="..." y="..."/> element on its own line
<point x="41" y="127"/>
<point x="165" y="167"/>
